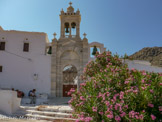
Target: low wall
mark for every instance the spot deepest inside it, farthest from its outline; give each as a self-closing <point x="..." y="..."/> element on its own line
<point x="9" y="103"/>
<point x="142" y="65"/>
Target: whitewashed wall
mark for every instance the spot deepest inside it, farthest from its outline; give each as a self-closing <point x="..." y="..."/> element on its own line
<point x="142" y="65"/>
<point x="18" y="71"/>
<point x="9" y="102"/>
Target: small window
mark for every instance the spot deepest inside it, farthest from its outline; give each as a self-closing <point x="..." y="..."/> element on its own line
<point x="2" y="45"/>
<point x="1" y="68"/>
<point x="26" y="47"/>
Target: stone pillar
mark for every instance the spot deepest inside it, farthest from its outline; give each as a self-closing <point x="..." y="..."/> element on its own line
<point x="85" y="52"/>
<point x="70" y="30"/>
<point x="62" y="29"/>
<point x="54" y="68"/>
<point x="59" y="84"/>
<point x="78" y="29"/>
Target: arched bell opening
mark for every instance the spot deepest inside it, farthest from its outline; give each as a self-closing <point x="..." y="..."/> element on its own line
<point x="73" y="29"/>
<point x="70" y="79"/>
<point x="93" y="50"/>
<point x="67" y="29"/>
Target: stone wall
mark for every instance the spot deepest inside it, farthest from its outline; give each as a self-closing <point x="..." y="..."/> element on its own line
<point x="9" y="102"/>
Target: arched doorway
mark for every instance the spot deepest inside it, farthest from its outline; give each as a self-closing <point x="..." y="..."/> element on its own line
<point x="70" y="79"/>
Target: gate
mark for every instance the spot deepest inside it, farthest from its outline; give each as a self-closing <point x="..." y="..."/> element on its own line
<point x="69" y="79"/>
<point x="66" y="89"/>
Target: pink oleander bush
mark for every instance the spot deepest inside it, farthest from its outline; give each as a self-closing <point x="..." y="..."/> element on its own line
<point x="112" y="92"/>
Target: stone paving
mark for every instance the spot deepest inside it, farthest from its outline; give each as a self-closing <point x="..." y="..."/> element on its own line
<point x="4" y="118"/>
<point x="56" y="110"/>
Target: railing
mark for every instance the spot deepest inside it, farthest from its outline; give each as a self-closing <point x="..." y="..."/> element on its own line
<point x="72" y="36"/>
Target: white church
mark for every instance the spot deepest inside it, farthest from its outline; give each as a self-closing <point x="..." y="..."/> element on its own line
<point x="28" y="60"/>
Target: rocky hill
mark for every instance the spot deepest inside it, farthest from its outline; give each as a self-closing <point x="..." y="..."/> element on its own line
<point x="152" y="54"/>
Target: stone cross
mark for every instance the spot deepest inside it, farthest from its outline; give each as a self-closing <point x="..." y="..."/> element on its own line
<point x="54" y="35"/>
<point x="70" y="3"/>
<point x="84" y="35"/>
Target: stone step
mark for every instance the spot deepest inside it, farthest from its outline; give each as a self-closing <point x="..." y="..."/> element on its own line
<point x="28" y="107"/>
<point x="53" y="114"/>
<point x="53" y="119"/>
<point x="63" y="109"/>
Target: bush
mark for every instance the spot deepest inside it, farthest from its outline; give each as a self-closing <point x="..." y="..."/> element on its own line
<point x="112" y="92"/>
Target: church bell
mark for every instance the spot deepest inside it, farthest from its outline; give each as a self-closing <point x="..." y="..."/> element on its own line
<point x="67" y="30"/>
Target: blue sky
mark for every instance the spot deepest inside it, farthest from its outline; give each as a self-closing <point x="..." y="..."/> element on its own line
<point x="124" y="26"/>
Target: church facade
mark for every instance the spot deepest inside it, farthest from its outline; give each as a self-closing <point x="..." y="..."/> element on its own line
<point x="26" y="64"/>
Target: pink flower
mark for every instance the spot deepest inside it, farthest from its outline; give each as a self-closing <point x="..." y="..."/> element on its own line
<point x="108" y="59"/>
<point x="143" y="111"/>
<point x="88" y="119"/>
<point x="141" y="117"/>
<point x="151" y="105"/>
<point x="136" y="116"/>
<point x="160" y="108"/>
<point x="116" y="107"/>
<point x="82" y="98"/>
<point x="151" y="91"/>
<point x="126" y="82"/>
<point x="94" y="109"/>
<point x="131" y="114"/>
<point x="153" y="117"/>
<point x="117" y="118"/>
<point x="107" y="103"/>
<point x="110" y="116"/>
<point x="122" y="114"/>
<point x="126" y="106"/>
<point x="82" y="84"/>
<point x="101" y="112"/>
<point x="143" y="73"/>
<point x="121" y="95"/>
<point x="143" y="81"/>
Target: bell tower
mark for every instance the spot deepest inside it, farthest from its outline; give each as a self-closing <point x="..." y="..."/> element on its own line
<point x="70" y="23"/>
<point x="69" y="54"/>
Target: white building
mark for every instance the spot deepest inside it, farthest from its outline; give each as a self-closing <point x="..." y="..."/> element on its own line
<point x="24" y="64"/>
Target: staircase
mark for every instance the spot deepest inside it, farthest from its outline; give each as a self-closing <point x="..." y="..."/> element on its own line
<point x="59" y="113"/>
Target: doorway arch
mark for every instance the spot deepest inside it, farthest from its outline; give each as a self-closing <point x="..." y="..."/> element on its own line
<point x="70" y="79"/>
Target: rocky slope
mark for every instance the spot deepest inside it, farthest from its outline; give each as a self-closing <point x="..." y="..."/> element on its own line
<point x="152" y="54"/>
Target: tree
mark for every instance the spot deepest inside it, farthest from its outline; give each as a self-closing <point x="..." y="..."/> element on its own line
<point x="112" y="92"/>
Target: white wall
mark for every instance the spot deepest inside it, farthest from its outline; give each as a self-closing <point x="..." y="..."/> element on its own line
<point x="10" y="103"/>
<point x="18" y="71"/>
<point x="142" y="65"/>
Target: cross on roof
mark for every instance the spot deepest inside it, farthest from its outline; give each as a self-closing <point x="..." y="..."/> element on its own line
<point x="54" y="35"/>
<point x="70" y="3"/>
<point x="84" y="35"/>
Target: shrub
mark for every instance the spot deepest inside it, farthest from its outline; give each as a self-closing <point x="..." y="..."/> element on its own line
<point x="112" y="92"/>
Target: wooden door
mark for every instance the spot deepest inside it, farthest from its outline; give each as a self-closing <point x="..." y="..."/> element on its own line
<point x="66" y="89"/>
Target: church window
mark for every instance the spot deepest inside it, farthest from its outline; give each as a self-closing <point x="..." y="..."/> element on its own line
<point x="26" y="47"/>
<point x="2" y="45"/>
<point x="1" y="68"/>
